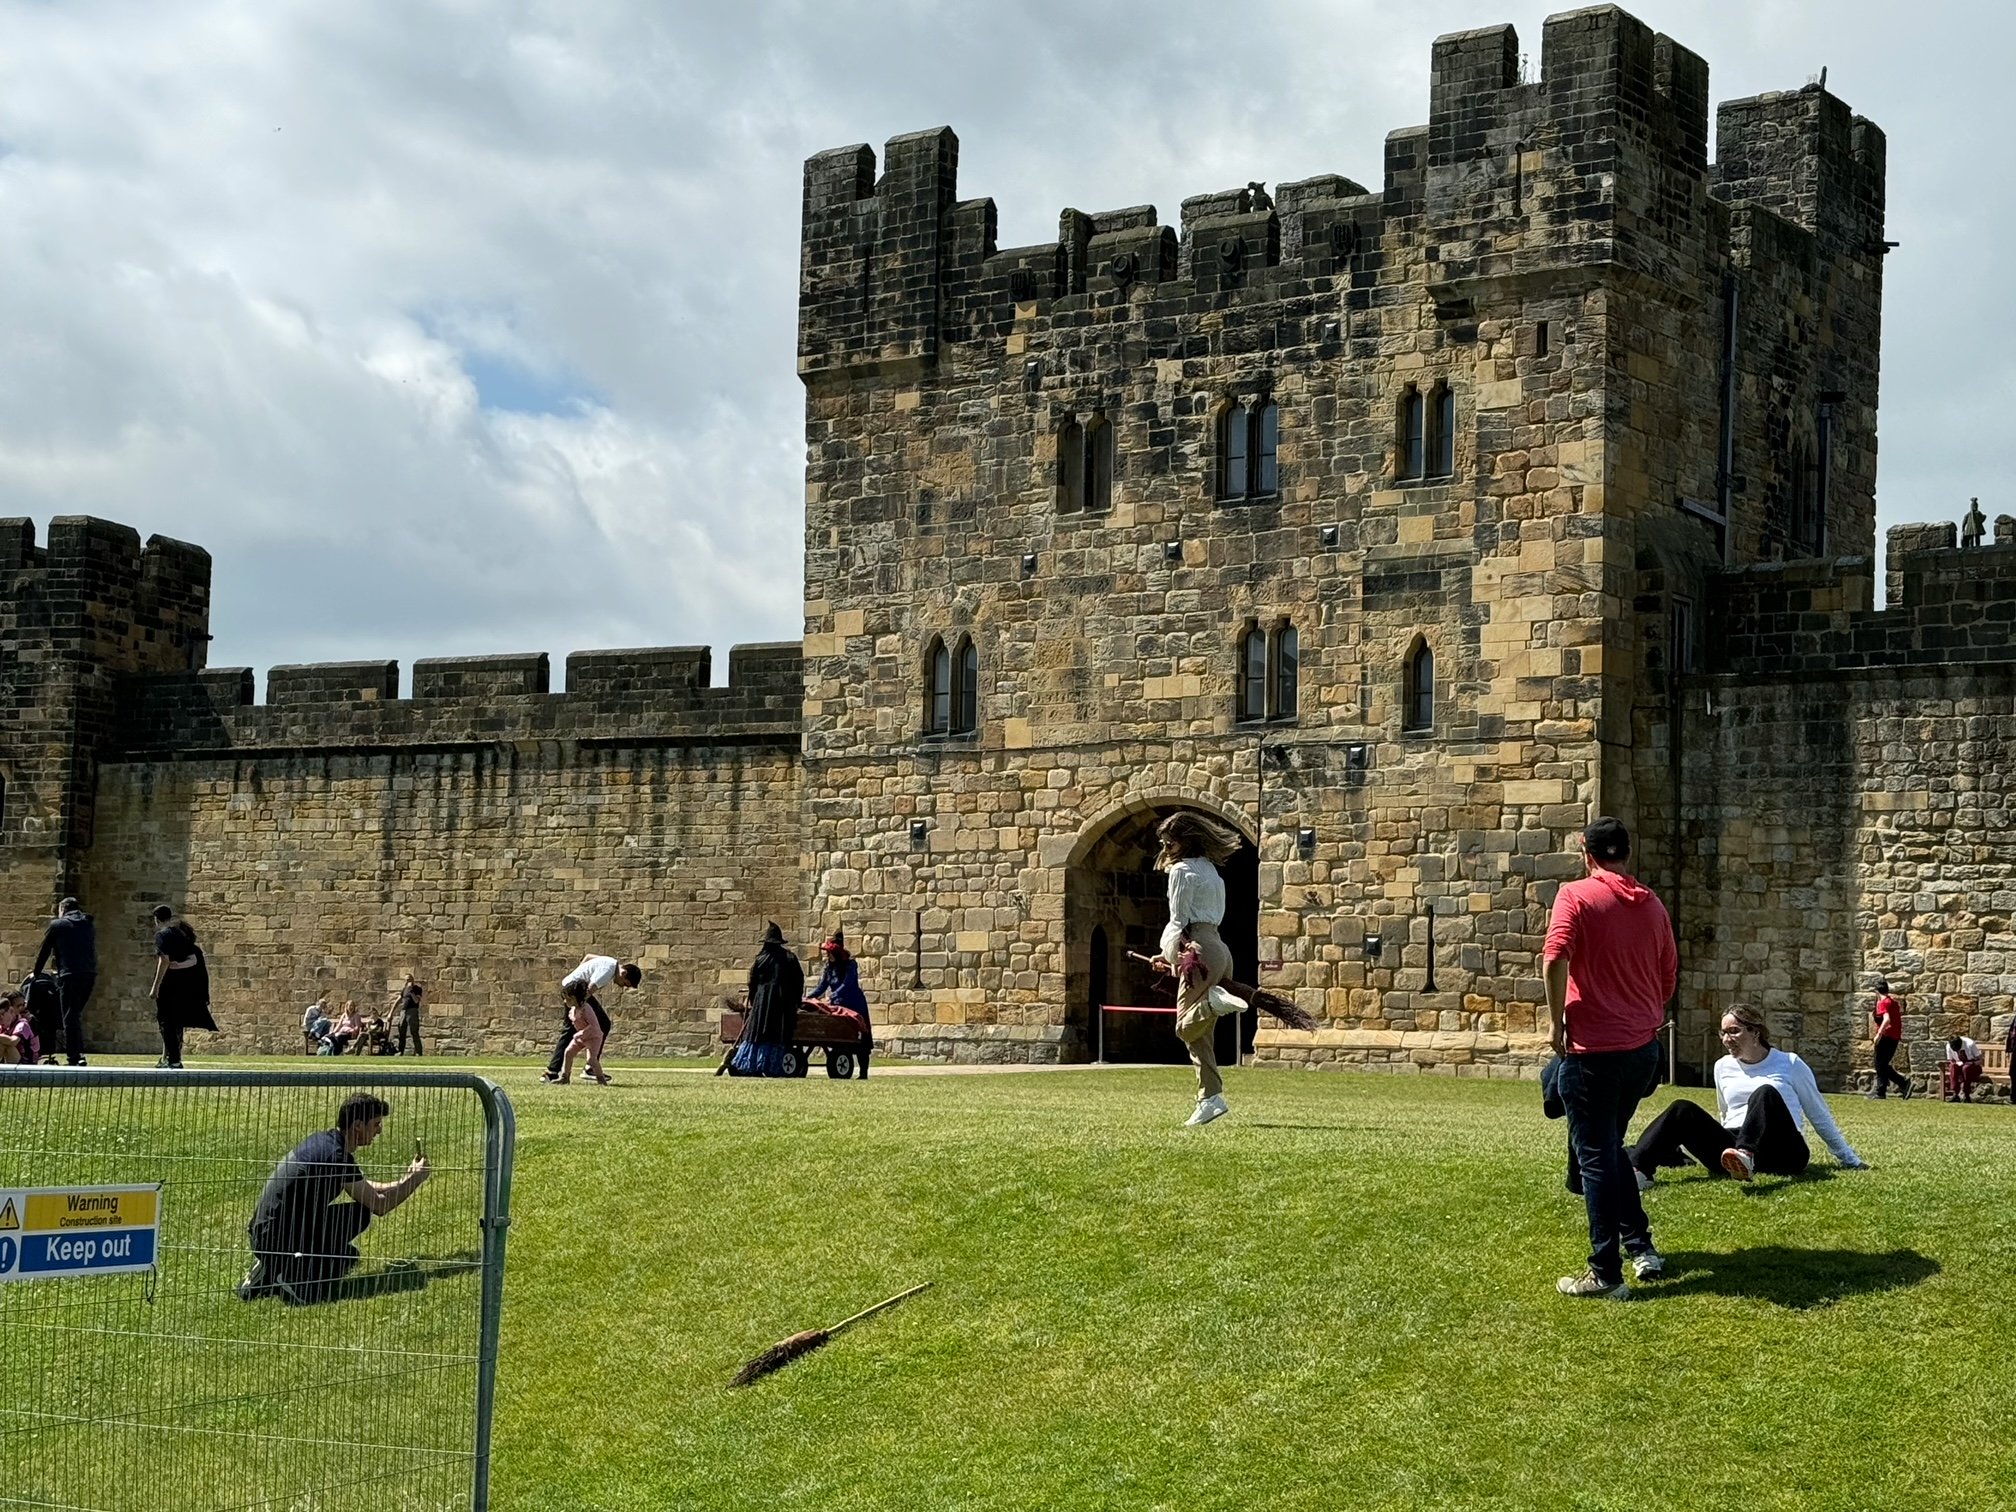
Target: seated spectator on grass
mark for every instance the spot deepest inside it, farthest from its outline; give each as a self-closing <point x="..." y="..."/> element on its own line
<point x="18" y="1044"/>
<point x="303" y="1231"/>
<point x="349" y="1028"/>
<point x="1763" y="1098"/>
<point x="1961" y="1069"/>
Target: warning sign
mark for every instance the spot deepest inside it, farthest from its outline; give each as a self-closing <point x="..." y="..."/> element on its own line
<point x="49" y="1233"/>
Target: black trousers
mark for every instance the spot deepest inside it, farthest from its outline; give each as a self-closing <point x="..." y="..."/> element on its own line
<point x="171" y="1040"/>
<point x="73" y="991"/>
<point x="410" y="1021"/>
<point x="559" y="1062"/>
<point x="1886" y="1052"/>
<point x="322" y="1254"/>
<point x="1769" y="1133"/>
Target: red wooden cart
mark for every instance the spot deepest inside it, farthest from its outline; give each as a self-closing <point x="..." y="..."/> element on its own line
<point x="840" y="1036"/>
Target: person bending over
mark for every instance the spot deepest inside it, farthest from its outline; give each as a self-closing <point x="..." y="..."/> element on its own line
<point x="317" y="1202"/>
<point x="581" y="991"/>
<point x="1763" y="1099"/>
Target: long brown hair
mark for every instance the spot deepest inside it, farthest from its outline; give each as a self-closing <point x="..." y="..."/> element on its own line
<point x="1191" y="834"/>
<point x="1751" y="1019"/>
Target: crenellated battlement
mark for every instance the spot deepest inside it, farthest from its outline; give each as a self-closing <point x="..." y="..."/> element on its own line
<point x="1947" y="604"/>
<point x="656" y="695"/>
<point x="1599" y="162"/>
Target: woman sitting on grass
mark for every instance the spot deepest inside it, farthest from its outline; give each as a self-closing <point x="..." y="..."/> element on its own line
<point x="1763" y="1099"/>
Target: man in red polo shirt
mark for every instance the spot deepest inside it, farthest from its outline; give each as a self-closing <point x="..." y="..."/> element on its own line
<point x="1611" y="969"/>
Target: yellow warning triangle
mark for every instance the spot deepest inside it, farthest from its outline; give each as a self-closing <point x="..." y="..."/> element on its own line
<point x="9" y="1219"/>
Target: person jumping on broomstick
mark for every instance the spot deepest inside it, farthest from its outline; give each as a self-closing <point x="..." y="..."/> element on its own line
<point x="1192" y="952"/>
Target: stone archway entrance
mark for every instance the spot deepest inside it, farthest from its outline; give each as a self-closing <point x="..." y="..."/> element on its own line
<point x="1114" y="902"/>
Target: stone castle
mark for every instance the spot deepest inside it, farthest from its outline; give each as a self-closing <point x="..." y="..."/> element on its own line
<point x="1404" y="529"/>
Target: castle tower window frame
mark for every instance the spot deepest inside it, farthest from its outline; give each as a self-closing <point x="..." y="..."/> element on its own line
<point x="1410" y="457"/>
<point x="1287" y="670"/>
<point x="1085" y="457"/>
<point x="1417" y="704"/>
<point x="1440" y="458"/>
<point x="1249" y="446"/>
<point x="937" y="687"/>
<point x="1254" y="666"/>
<point x="965" y="687"/>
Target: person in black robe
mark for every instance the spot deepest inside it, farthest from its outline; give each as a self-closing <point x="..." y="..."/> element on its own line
<point x="776" y="988"/>
<point x="181" y="989"/>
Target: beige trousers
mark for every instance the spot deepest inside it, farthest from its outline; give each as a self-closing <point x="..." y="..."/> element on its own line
<point x="1196" y="1021"/>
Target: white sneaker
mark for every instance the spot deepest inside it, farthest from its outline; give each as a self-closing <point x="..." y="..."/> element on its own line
<point x="1207" y="1110"/>
<point x="1586" y="1285"/>
<point x="1649" y="1265"/>
<point x="1739" y="1162"/>
<point x="1222" y="1002"/>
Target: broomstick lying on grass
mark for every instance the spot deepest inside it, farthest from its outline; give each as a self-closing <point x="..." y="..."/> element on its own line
<point x="1252" y="997"/>
<point x="777" y="1356"/>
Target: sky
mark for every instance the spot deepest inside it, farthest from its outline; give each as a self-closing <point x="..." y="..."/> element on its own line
<point x="468" y="326"/>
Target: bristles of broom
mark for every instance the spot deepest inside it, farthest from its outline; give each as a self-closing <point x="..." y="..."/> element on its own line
<point x="777" y="1356"/>
<point x="1259" y="997"/>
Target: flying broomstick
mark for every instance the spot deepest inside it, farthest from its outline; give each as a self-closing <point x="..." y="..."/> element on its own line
<point x="777" y="1356"/>
<point x="1252" y="997"/>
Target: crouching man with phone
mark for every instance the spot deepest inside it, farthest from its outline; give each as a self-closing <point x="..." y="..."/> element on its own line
<point x="304" y="1236"/>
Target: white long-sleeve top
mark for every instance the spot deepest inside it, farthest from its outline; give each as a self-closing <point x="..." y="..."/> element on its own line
<point x="1196" y="896"/>
<point x="1737" y="1082"/>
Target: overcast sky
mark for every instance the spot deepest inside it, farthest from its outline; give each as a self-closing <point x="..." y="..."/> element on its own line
<point x="455" y="326"/>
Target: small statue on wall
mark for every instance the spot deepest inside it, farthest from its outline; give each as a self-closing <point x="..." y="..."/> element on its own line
<point x="1974" y="527"/>
<point x="1257" y="197"/>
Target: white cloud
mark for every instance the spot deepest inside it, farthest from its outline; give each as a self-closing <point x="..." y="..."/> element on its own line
<point x="467" y="326"/>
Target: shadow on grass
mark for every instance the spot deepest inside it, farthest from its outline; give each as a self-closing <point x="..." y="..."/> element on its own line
<point x="1771" y="1186"/>
<point x="1786" y="1276"/>
<point x="1345" y="1128"/>
<point x="396" y="1276"/>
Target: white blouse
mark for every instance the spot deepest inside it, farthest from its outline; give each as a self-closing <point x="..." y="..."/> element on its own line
<point x="1196" y="896"/>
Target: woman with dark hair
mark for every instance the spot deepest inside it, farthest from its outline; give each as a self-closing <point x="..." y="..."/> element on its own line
<point x="1190" y="850"/>
<point x="1763" y="1098"/>
<point x="181" y="989"/>
<point x="840" y="987"/>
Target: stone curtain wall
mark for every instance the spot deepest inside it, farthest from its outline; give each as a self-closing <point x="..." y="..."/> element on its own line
<point x="1850" y="801"/>
<point x="333" y="836"/>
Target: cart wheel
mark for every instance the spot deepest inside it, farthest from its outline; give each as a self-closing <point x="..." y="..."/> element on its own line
<point x="839" y="1064"/>
<point x="796" y="1061"/>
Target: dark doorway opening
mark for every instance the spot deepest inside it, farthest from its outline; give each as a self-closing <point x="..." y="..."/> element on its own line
<point x="1115" y="902"/>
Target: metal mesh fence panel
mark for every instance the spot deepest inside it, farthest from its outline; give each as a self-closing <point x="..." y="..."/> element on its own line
<point x="169" y="1392"/>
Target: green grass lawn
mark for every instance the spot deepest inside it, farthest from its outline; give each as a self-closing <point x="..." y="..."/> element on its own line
<point x="1342" y="1296"/>
<point x="1339" y="1297"/>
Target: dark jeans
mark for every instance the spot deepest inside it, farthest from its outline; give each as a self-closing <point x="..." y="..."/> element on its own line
<point x="1601" y="1091"/>
<point x="310" y="1261"/>
<point x="559" y="1062"/>
<point x="73" y="991"/>
<point x="1886" y="1052"/>
<point x="410" y="1021"/>
<point x="1769" y="1133"/>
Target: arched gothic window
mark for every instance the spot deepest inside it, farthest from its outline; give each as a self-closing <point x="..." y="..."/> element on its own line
<point x="1441" y="431"/>
<point x="1413" y="434"/>
<point x="1085" y="466"/>
<point x="1253" y="674"/>
<point x="966" y="688"/>
<point x="937" y="688"/>
<point x="1249" y="436"/>
<point x="1418" y="704"/>
<point x="1287" y="672"/>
